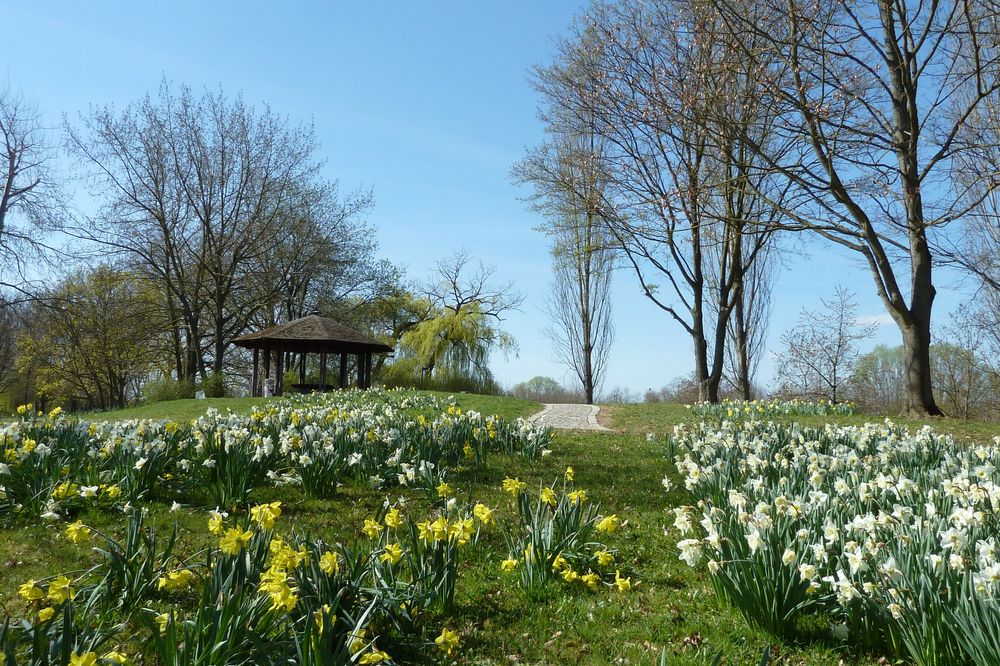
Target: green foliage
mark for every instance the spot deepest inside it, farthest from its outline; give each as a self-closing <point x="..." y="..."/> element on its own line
<point x="214" y="385"/>
<point x="552" y="537"/>
<point x="167" y="388"/>
<point x="545" y="389"/>
<point x="405" y="373"/>
<point x="452" y="343"/>
<point x="93" y="348"/>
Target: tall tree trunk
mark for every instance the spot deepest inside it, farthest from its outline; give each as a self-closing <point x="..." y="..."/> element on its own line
<point x="701" y="361"/>
<point x="742" y="354"/>
<point x="919" y="396"/>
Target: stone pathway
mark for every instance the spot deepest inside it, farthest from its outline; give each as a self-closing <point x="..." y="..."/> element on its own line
<point x="569" y="417"/>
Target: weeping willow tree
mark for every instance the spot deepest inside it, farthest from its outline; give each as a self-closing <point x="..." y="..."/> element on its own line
<point x="451" y="344"/>
<point x="457" y="342"/>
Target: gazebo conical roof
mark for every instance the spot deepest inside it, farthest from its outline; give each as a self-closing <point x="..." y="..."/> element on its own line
<point x="312" y="334"/>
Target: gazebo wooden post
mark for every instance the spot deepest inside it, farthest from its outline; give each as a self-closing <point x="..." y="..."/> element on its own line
<point x="361" y="370"/>
<point x="343" y="370"/>
<point x="368" y="370"/>
<point x="279" y="381"/>
<point x="322" y="372"/>
<point x="302" y="368"/>
<point x="255" y="375"/>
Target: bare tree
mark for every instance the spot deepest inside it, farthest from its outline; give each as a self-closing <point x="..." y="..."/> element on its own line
<point x="9" y="329"/>
<point x="673" y="111"/>
<point x="821" y="350"/>
<point x="569" y="190"/>
<point x="748" y="323"/>
<point x="580" y="305"/>
<point x="29" y="202"/>
<point x="204" y="195"/>
<point x="873" y="99"/>
<point x="456" y="284"/>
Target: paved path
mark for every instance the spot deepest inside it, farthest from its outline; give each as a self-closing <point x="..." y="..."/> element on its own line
<point x="569" y="417"/>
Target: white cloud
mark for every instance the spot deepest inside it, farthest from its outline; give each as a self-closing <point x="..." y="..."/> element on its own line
<point x="883" y="319"/>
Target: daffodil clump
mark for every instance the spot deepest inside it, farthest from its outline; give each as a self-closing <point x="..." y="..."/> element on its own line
<point x="303" y="596"/>
<point x="892" y="533"/>
<point x="53" y="466"/>
<point x="769" y="408"/>
<point x="556" y="536"/>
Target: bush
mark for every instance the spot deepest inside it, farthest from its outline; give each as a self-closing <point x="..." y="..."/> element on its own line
<point x="167" y="388"/>
<point x="545" y="389"/>
<point x="214" y="386"/>
<point x="406" y="375"/>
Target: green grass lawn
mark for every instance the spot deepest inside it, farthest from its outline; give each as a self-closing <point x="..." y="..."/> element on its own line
<point x="671" y="607"/>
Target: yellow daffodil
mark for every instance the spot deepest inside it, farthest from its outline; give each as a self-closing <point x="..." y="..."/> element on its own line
<point x="46" y="614"/>
<point x="590" y="580"/>
<point x="215" y="524"/>
<point x="328" y="563"/>
<point x="65" y="490"/>
<point x="358" y="641"/>
<point x="513" y="486"/>
<point x="85" y="659"/>
<point x="483" y="513"/>
<point x="392" y="518"/>
<point x="318" y="617"/>
<point x="30" y="591"/>
<point x="371" y="529"/>
<point x="392" y="553"/>
<point x="559" y="563"/>
<point x="444" y="490"/>
<point x="439" y="528"/>
<point x="569" y="575"/>
<point x="577" y="496"/>
<point x="77" y="532"/>
<point x="234" y="540"/>
<point x="622" y="584"/>
<point x="508" y="565"/>
<point x="375" y="657"/>
<point x="468" y="451"/>
<point x="274" y="582"/>
<point x="116" y="657"/>
<point x="162" y="620"/>
<point x="285" y="557"/>
<point x="265" y="514"/>
<point x="569" y="473"/>
<point x="549" y="496"/>
<point x="426" y="534"/>
<point x="462" y="530"/>
<point x="60" y="590"/>
<point x="447" y="642"/>
<point x="604" y="558"/>
<point x="609" y="524"/>
<point x="175" y="580"/>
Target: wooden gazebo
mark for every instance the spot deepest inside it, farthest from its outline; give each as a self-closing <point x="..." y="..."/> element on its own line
<point x="311" y="334"/>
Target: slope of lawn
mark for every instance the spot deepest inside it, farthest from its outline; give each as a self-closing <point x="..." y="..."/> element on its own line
<point x="671" y="607"/>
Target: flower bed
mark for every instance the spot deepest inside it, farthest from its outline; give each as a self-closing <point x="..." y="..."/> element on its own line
<point x="890" y="534"/>
<point x="758" y="409"/>
<point x="52" y="466"/>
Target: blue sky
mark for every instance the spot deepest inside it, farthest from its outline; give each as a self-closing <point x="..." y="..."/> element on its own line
<point x="426" y="103"/>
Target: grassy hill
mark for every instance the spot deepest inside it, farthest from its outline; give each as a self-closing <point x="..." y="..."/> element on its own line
<point x="671" y="607"/>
